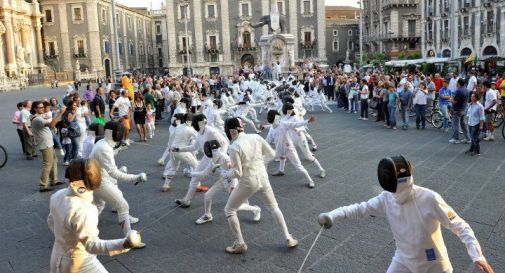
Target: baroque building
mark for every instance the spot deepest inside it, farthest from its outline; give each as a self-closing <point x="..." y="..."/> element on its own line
<point x="79" y="38"/>
<point x="342" y="34"/>
<point x="392" y="27"/>
<point x="217" y="36"/>
<point x="21" y="54"/>
<point x="456" y="29"/>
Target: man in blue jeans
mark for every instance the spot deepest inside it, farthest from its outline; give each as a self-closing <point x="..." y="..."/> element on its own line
<point x="405" y="97"/>
<point x="459" y="103"/>
<point x="444" y="94"/>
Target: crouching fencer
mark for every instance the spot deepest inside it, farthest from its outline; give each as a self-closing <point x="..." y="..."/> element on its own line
<point x="109" y="192"/>
<point x="219" y="159"/>
<point x="74" y="221"/>
<point x="248" y="155"/>
<point x="414" y="214"/>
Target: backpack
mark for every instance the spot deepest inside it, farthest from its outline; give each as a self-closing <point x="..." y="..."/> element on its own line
<point x="403" y="98"/>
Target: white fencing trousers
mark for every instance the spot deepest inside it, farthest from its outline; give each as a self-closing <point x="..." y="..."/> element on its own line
<point x="292" y="156"/>
<point x="111" y="194"/>
<point x="309" y="138"/>
<point x="175" y="160"/>
<point x="195" y="181"/>
<point x="398" y="267"/>
<point x="63" y="264"/>
<point x="255" y="184"/>
<point x="219" y="186"/>
<point x="253" y="114"/>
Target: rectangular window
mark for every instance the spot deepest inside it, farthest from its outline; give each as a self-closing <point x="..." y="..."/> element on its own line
<point x="120" y="46"/>
<point x="129" y="21"/>
<point x="307" y="37"/>
<point x="158" y="29"/>
<point x="211" y="11"/>
<point x="446" y="29"/>
<point x="466" y="25"/>
<point x="335" y="45"/>
<point x="214" y="58"/>
<point x="430" y="31"/>
<point x="80" y="47"/>
<point x="349" y="32"/>
<point x="77" y="14"/>
<point x="118" y="19"/>
<point x="52" y="48"/>
<point x="184" y="12"/>
<point x="412" y="28"/>
<point x="184" y="43"/>
<point x="490" y="21"/>
<point x="306" y="6"/>
<point x="106" y="47"/>
<point x="246" y="39"/>
<point x="213" y="42"/>
<point x="280" y="7"/>
<point x="335" y="32"/>
<point x="132" y="50"/>
<point x="49" y="15"/>
<point x="245" y="9"/>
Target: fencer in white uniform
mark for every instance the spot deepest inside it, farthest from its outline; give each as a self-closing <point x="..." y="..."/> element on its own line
<point x="73" y="219"/>
<point x="249" y="154"/>
<point x="109" y="192"/>
<point x="219" y="159"/>
<point x="414" y="214"/>
<point x="205" y="133"/>
<point x="284" y="147"/>
<point x="183" y="136"/>
<point x="176" y="120"/>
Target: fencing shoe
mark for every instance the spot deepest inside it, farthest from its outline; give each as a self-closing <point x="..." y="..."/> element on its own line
<point x="292" y="242"/>
<point x="278" y="173"/>
<point x="133" y="220"/>
<point x="257" y="214"/>
<point x="204" y="219"/>
<point x="237" y="248"/>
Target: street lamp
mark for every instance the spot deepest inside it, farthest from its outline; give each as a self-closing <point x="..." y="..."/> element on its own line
<point x="118" y="69"/>
<point x="188" y="56"/>
<point x="360" y="34"/>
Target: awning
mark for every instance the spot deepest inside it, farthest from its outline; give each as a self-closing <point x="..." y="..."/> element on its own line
<point x="437" y="60"/>
<point x="492" y="58"/>
<point x="402" y="63"/>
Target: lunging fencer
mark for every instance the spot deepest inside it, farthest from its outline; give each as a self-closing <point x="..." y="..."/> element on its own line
<point x="73" y="219"/>
<point x="205" y="133"/>
<point x="248" y="155"/>
<point x="414" y="214"/>
<point x="219" y="159"/>
<point x="109" y="192"/>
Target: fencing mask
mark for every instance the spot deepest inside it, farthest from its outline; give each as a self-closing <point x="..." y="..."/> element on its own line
<point x="233" y="124"/>
<point x="393" y="171"/>
<point x="210" y="148"/>
<point x="114" y="132"/>
<point x="199" y="122"/>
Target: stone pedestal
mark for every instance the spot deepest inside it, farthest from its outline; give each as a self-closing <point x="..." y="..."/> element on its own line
<point x="278" y="48"/>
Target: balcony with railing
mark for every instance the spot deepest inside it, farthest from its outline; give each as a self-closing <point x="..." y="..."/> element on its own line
<point x="388" y="4"/>
<point x="308" y="44"/>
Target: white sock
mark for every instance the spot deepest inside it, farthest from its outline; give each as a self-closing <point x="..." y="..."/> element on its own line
<point x="282" y="164"/>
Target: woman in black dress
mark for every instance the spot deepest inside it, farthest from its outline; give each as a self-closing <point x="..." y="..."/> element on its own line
<point x="139" y="116"/>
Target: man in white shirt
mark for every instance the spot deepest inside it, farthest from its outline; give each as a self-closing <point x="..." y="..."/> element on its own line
<point x="453" y="83"/>
<point x="123" y="105"/>
<point x="27" y="131"/>
<point x="278" y="71"/>
<point x="472" y="82"/>
<point x="490" y="109"/>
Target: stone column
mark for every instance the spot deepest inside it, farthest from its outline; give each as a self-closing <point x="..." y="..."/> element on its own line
<point x="225" y="33"/>
<point x="9" y="45"/>
<point x="38" y="43"/>
<point x="321" y="31"/>
<point x="477" y="32"/>
<point x="136" y="43"/>
<point x="293" y="23"/>
<point x="65" y="38"/>
<point x="197" y="20"/>
<point x="126" y="48"/>
<point x="265" y="10"/>
<point x="94" y="41"/>
<point x="2" y="55"/>
<point x="172" y="38"/>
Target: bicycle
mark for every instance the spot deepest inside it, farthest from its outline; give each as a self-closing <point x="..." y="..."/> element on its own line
<point x="3" y="156"/>
<point x="499" y="117"/>
<point x="438" y="120"/>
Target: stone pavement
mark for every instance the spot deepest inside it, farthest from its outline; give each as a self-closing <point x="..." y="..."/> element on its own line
<point x="349" y="150"/>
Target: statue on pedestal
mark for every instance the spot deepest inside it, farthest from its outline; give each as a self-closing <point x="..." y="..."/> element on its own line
<point x="77" y="65"/>
<point x="275" y="21"/>
<point x="20" y="54"/>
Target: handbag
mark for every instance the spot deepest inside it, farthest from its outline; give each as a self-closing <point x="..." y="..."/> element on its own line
<point x="74" y="130"/>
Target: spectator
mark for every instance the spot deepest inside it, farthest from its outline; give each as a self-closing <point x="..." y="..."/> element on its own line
<point x="476" y="119"/>
<point x="98" y="107"/>
<point x="139" y="116"/>
<point x="385" y="102"/>
<point x="420" y="101"/>
<point x="44" y="139"/>
<point x="364" y="100"/>
<point x="88" y="95"/>
<point x="112" y="100"/>
<point x="123" y="106"/>
<point x="472" y="82"/>
<point x="82" y="121"/>
<point x="393" y="102"/>
<point x="16" y="120"/>
<point x="405" y="102"/>
<point x="443" y="100"/>
<point x="490" y="103"/>
<point x="27" y="131"/>
<point x="459" y="103"/>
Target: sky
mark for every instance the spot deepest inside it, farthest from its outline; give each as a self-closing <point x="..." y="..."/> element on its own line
<point x="156" y="3"/>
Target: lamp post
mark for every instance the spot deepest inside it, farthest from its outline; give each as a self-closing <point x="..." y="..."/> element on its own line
<point x="360" y="33"/>
<point x="188" y="56"/>
<point x="118" y="69"/>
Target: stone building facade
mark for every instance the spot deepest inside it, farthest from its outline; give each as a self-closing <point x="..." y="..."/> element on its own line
<point x="342" y="34"/>
<point x="20" y="43"/>
<point x="392" y="27"/>
<point x="221" y="38"/>
<point x="79" y="38"/>
<point x="455" y="29"/>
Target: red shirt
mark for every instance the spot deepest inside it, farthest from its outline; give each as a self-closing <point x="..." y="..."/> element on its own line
<point x="438" y="83"/>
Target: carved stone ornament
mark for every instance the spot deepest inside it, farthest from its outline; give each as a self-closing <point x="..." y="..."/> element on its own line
<point x="2" y="28"/>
